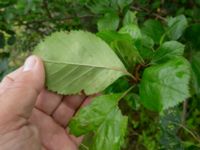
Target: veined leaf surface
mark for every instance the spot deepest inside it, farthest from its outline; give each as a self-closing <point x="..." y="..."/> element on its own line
<point x="104" y="118"/>
<point x="78" y="60"/>
<point x="165" y="85"/>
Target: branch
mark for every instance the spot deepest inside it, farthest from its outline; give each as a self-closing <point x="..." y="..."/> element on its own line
<point x="46" y="7"/>
<point x="140" y="9"/>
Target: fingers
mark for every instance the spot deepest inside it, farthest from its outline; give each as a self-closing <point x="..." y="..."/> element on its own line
<point x="52" y="135"/>
<point x="67" y="108"/>
<point x="19" y="90"/>
<point x="48" y="101"/>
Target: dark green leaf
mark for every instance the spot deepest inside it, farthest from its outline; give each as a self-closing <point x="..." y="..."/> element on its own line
<point x="165" y="85"/>
<point x="153" y="29"/>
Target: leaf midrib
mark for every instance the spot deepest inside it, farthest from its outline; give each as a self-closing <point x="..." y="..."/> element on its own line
<point x="124" y="71"/>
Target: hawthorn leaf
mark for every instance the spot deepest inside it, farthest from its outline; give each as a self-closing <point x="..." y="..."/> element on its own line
<point x="104" y="118"/>
<point x="130" y="18"/>
<point x="109" y="22"/>
<point x="165" y="85"/>
<point x="153" y="29"/>
<point x="110" y="36"/>
<point x="132" y="30"/>
<point x="78" y="61"/>
<point x="128" y="53"/>
<point x="176" y="26"/>
<point x="123" y="45"/>
<point x="168" y="50"/>
<point x="110" y="135"/>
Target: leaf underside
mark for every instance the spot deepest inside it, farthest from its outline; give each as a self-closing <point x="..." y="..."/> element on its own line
<point x="78" y="61"/>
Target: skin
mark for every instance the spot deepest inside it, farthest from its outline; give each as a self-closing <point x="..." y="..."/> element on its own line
<point x="33" y="118"/>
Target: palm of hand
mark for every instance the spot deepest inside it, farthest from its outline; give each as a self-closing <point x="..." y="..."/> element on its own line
<point x="46" y="128"/>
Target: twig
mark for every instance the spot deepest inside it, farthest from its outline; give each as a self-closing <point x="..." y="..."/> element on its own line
<point x="149" y="12"/>
<point x="184" y="112"/>
<point x="46" y="7"/>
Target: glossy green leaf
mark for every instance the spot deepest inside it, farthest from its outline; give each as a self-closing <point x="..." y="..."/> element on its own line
<point x="153" y="29"/>
<point x="78" y="61"/>
<point x="176" y="26"/>
<point x="109" y="22"/>
<point x="165" y="85"/>
<point x="104" y="118"/>
<point x="168" y="50"/>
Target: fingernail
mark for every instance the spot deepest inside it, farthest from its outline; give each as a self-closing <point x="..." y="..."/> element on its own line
<point x="29" y="63"/>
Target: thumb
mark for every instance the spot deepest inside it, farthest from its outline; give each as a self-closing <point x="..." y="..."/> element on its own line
<point x="19" y="90"/>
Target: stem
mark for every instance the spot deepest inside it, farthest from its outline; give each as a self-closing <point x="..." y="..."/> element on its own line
<point x="126" y="92"/>
<point x="189" y="131"/>
<point x="184" y="112"/>
<point x="84" y="146"/>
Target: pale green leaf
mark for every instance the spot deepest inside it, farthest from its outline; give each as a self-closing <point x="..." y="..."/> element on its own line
<point x="78" y="61"/>
<point x="130" y="18"/>
<point x="165" y="85"/>
<point x="176" y="26"/>
<point x="104" y="118"/>
<point x="132" y="30"/>
<point x="168" y="50"/>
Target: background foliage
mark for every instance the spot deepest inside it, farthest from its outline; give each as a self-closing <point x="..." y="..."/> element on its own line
<point x="23" y="23"/>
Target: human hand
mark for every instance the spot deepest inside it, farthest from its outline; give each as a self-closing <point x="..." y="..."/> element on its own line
<point x="32" y="118"/>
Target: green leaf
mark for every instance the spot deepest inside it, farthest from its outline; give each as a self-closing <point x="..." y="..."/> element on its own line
<point x="167" y="51"/>
<point x="77" y="61"/>
<point x="176" y="26"/>
<point x="130" y="18"/>
<point x="104" y="118"/>
<point x="123" y="45"/>
<point x="132" y="30"/>
<point x="114" y="129"/>
<point x="192" y="35"/>
<point x="195" y="63"/>
<point x="165" y="85"/>
<point x="128" y="54"/>
<point x="110" y="36"/>
<point x="109" y="22"/>
<point x="153" y="29"/>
